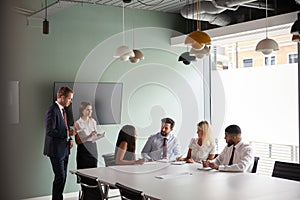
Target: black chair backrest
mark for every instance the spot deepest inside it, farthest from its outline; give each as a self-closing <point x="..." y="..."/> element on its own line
<point x="254" y="168"/>
<point x="128" y="193"/>
<point x="286" y="170"/>
<point x="109" y="159"/>
<point x="90" y="188"/>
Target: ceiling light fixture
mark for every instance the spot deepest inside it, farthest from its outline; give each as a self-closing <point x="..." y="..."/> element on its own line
<point x="138" y="55"/>
<point x="267" y="45"/>
<point x="198" y="39"/>
<point x="123" y="52"/>
<point x="295" y="30"/>
<point x="296" y="38"/>
<point x="46" y="22"/>
<point x="200" y="53"/>
<point x="185" y="57"/>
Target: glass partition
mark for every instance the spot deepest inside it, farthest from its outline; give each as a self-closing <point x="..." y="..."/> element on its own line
<point x="260" y="94"/>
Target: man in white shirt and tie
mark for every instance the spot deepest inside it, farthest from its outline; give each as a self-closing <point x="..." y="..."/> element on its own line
<point x="162" y="145"/>
<point x="237" y="156"/>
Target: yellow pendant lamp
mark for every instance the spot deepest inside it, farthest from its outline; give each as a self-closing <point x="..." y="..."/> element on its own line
<point x="197" y="39"/>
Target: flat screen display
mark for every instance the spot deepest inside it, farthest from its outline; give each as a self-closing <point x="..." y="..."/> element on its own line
<point x="105" y="97"/>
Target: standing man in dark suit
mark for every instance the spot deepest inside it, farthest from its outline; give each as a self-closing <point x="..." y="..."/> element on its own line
<point x="58" y="141"/>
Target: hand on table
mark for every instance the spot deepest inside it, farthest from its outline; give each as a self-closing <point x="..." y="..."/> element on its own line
<point x="140" y="161"/>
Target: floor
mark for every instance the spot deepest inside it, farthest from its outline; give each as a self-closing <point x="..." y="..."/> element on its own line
<point x="74" y="196"/>
<point x="110" y="193"/>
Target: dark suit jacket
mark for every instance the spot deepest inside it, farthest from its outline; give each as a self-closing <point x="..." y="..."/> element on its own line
<point x="56" y="139"/>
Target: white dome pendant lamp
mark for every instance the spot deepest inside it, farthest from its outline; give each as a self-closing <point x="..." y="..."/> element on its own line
<point x="123" y="52"/>
<point x="267" y="45"/>
<point x="138" y="55"/>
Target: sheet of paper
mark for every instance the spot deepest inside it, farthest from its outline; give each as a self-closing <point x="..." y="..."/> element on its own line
<point x="165" y="161"/>
<point x="168" y="176"/>
<point x="204" y="168"/>
<point x="178" y="162"/>
<point x="98" y="136"/>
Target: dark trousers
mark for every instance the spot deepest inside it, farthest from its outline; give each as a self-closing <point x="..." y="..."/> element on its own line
<point x="59" y="166"/>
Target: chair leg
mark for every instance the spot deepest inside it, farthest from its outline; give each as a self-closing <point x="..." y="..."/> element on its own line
<point x="106" y="188"/>
<point x="80" y="195"/>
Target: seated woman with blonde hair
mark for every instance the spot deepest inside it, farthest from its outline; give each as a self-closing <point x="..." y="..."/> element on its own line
<point x="203" y="147"/>
<point x="125" y="147"/>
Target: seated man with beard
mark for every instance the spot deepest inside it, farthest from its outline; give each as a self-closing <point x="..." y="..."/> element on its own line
<point x="236" y="156"/>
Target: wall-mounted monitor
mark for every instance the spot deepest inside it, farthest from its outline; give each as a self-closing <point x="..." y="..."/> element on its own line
<point x="105" y="97"/>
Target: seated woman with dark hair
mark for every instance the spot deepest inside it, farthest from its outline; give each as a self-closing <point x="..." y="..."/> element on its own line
<point x="125" y="147"/>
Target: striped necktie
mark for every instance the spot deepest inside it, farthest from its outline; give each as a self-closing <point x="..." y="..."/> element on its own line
<point x="165" y="148"/>
<point x="65" y="118"/>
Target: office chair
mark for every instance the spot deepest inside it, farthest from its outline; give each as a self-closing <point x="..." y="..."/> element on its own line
<point x="286" y="170"/>
<point x="128" y="193"/>
<point x="109" y="160"/>
<point x="254" y="168"/>
<point x="90" y="189"/>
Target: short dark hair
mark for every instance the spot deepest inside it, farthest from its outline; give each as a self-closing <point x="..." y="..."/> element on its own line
<point x="233" y="129"/>
<point x="168" y="121"/>
<point x="64" y="91"/>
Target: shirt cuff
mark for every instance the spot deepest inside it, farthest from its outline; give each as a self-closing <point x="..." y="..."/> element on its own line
<point x="221" y="167"/>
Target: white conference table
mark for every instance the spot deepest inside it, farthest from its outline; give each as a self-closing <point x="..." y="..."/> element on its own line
<point x="189" y="181"/>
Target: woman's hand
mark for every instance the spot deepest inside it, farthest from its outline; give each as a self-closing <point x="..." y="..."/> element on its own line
<point x="92" y="134"/>
<point x="190" y="160"/>
<point x="180" y="159"/>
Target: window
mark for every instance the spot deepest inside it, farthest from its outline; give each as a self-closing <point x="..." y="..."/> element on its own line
<point x="270" y="60"/>
<point x="293" y="58"/>
<point x="253" y="98"/>
<point x="248" y="62"/>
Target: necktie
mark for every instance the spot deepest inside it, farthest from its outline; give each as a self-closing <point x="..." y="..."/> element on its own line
<point x="65" y="118"/>
<point x="231" y="157"/>
<point x="165" y="148"/>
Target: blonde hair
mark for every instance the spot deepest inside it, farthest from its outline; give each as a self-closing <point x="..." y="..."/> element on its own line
<point x="207" y="135"/>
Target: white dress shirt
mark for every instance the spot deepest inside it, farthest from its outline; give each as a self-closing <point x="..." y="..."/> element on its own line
<point x="62" y="114"/>
<point x="153" y="148"/>
<point x="86" y="127"/>
<point x="242" y="160"/>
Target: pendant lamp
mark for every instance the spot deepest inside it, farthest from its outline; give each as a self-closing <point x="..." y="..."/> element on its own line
<point x="295" y="29"/>
<point x="296" y="38"/>
<point x="185" y="57"/>
<point x="198" y="39"/>
<point x="123" y="52"/>
<point x="46" y="22"/>
<point x="200" y="53"/>
<point x="138" y="55"/>
<point x="267" y="45"/>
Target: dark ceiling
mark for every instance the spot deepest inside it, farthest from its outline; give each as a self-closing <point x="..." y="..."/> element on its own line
<point x="213" y="13"/>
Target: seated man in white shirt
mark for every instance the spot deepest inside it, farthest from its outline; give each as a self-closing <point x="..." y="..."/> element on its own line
<point x="162" y="145"/>
<point x="236" y="156"/>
